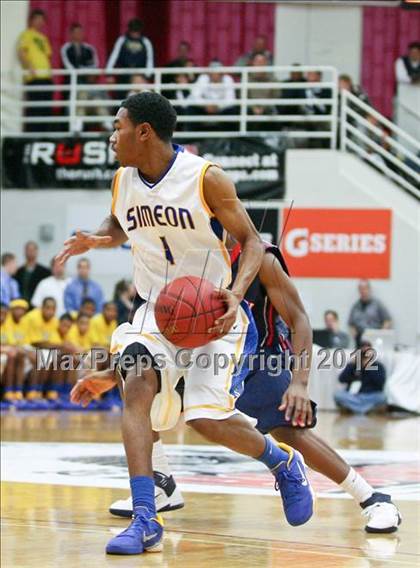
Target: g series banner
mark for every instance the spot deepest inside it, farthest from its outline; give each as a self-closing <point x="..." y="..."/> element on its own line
<point x="256" y="168"/>
<point x="337" y="243"/>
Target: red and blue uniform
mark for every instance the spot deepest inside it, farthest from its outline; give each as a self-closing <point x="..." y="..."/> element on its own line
<point x="270" y="373"/>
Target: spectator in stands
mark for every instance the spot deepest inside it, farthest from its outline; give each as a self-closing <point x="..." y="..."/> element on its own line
<point x="80" y="335"/>
<point x="124" y="294"/>
<point x="214" y="93"/>
<point x="182" y="56"/>
<point x="259" y="48"/>
<point x="52" y="286"/>
<point x="337" y="339"/>
<point x="31" y="273"/>
<point x="407" y="67"/>
<point x="76" y="54"/>
<point x="82" y="287"/>
<point x="9" y="288"/>
<point x="34" y="51"/>
<point x="345" y="83"/>
<point x="368" y="313"/>
<point x="139" y="83"/>
<point x="368" y="382"/>
<point x="87" y="308"/>
<point x="315" y="92"/>
<point x="132" y="50"/>
<point x="103" y="325"/>
<point x="260" y="60"/>
<point x="295" y="76"/>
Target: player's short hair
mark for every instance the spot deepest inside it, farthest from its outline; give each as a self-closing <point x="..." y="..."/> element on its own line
<point x="332" y="312"/>
<point x="154" y="109"/>
<point x="66" y="317"/>
<point x="48" y="299"/>
<point x="7" y="257"/>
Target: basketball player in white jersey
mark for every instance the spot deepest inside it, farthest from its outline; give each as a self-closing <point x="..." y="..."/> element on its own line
<point x="175" y="209"/>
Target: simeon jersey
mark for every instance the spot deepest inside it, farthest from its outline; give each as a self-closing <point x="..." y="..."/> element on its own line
<point x="170" y="227"/>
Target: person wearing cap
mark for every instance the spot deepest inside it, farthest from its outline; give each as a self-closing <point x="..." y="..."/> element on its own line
<point x="131" y="50"/>
<point x="14" y="339"/>
<point x="364" y="378"/>
<point x="214" y="91"/>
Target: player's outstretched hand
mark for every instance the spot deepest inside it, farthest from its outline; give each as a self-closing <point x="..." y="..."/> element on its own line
<point x="223" y="324"/>
<point x="93" y="384"/>
<point x="297" y="405"/>
<point x="80" y="243"/>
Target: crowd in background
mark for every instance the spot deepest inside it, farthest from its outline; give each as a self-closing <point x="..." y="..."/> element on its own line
<point x="45" y="312"/>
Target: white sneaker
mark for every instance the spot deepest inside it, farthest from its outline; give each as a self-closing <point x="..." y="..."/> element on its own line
<point x="167" y="497"/>
<point x="383" y="516"/>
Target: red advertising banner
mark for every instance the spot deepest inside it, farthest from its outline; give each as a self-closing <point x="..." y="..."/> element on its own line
<point x="337" y="243"/>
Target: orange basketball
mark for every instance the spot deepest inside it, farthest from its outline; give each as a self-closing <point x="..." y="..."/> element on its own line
<point x="185" y="309"/>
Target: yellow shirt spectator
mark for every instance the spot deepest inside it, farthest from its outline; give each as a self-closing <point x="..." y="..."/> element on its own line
<point x="37" y="53"/>
<point x="16" y="331"/>
<point x="102" y="330"/>
<point x="78" y="339"/>
<point x="40" y="331"/>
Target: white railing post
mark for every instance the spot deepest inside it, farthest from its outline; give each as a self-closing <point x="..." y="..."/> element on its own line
<point x="158" y="80"/>
<point x="334" y="111"/>
<point x="73" y="101"/>
<point x="343" y="120"/>
<point x="244" y="95"/>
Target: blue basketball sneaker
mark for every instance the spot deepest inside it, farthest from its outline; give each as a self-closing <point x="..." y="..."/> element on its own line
<point x="144" y="534"/>
<point x="294" y="487"/>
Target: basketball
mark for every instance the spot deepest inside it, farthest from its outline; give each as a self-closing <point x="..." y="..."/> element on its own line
<point x="186" y="309"/>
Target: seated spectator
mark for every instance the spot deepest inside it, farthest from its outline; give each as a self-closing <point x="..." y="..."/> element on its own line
<point x="65" y="324"/>
<point x="52" y="286"/>
<point x="124" y="294"/>
<point x="336" y="338"/>
<point x="319" y="93"/>
<point x="76" y="54"/>
<point x="80" y="335"/>
<point x="132" y="50"/>
<point x="82" y="287"/>
<point x="103" y="112"/>
<point x="345" y="83"/>
<point x="407" y="67"/>
<point x="182" y="55"/>
<point x="30" y="274"/>
<point x="13" y="339"/>
<point x="4" y="338"/>
<point x="293" y="93"/>
<point x="9" y="288"/>
<point x="260" y="60"/>
<point x="368" y="313"/>
<point x="259" y="48"/>
<point x="34" y="52"/>
<point x="87" y="308"/>
<point x="140" y="83"/>
<point x="103" y="326"/>
<point x="214" y="93"/>
<point x="368" y="382"/>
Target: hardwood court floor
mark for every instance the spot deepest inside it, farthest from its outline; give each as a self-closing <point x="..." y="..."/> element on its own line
<point x="48" y="525"/>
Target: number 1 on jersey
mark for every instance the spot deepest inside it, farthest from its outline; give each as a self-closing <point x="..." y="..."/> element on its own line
<point x="168" y="253"/>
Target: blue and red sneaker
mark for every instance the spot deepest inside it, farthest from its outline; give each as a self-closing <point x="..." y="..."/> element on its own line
<point x="144" y="534"/>
<point x="294" y="487"/>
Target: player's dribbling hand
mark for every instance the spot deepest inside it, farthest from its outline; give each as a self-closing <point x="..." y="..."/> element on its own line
<point x="86" y="389"/>
<point x="80" y="243"/>
<point x="223" y="324"/>
<point x="297" y="405"/>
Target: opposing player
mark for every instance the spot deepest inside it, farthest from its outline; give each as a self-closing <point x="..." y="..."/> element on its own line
<point x="278" y="400"/>
<point x="175" y="209"/>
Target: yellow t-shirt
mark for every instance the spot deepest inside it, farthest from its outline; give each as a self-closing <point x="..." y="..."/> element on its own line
<point x="38" y="330"/>
<point x="5" y="338"/>
<point x="16" y="331"/>
<point x="38" y="53"/>
<point x="78" y="340"/>
<point x="102" y="331"/>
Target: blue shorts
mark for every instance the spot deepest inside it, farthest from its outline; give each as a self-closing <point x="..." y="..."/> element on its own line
<point x="262" y="397"/>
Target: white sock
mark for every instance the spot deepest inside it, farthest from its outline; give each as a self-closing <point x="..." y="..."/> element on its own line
<point x="356" y="486"/>
<point x="159" y="459"/>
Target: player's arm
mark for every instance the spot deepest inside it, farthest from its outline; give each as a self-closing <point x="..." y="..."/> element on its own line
<point x="109" y="235"/>
<point x="220" y="196"/>
<point x="287" y="303"/>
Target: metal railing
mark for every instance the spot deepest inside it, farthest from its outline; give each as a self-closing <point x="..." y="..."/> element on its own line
<point x="77" y="104"/>
<point x="377" y="140"/>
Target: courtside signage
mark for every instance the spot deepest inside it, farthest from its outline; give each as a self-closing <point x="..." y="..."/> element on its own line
<point x="337" y="243"/>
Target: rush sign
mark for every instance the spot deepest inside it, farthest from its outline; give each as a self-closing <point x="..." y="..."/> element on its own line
<point x="337" y="243"/>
